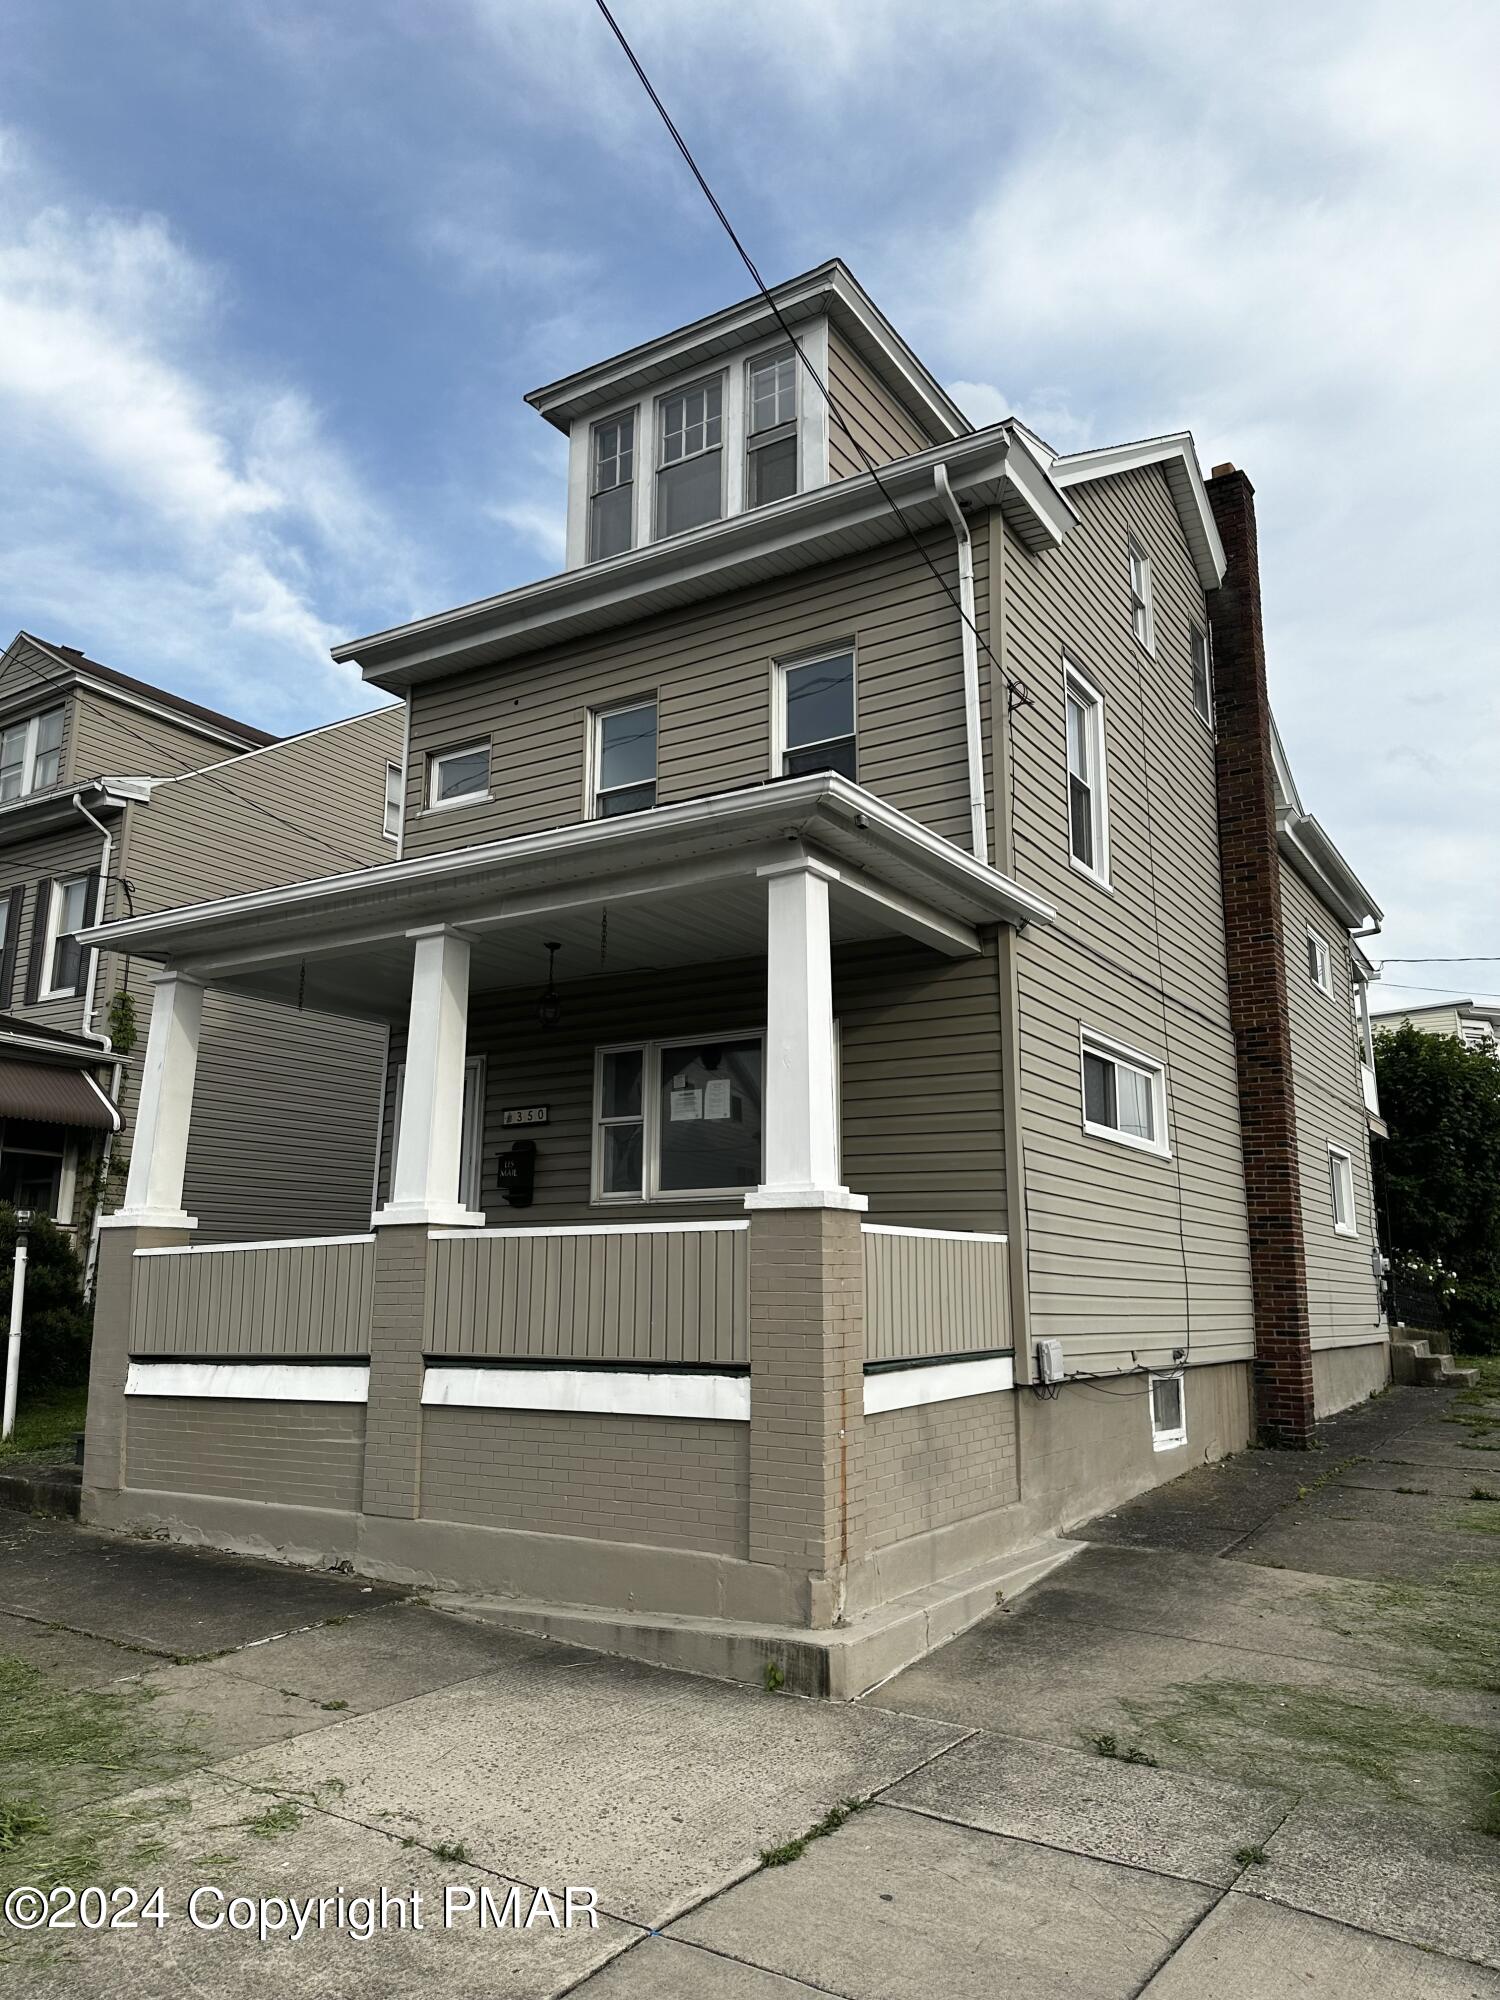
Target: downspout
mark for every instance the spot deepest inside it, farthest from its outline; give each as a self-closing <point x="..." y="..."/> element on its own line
<point x="107" y="853"/>
<point x="979" y="838"/>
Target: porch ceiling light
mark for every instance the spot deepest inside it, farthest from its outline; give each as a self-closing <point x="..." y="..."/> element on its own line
<point x="549" y="1007"/>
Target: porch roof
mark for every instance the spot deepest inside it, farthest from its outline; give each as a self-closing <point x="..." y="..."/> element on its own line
<point x="678" y="885"/>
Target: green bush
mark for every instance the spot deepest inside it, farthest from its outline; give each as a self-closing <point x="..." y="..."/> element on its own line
<point x="56" y="1324"/>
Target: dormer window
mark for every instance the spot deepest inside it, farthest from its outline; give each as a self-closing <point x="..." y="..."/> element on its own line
<point x="612" y="487"/>
<point x="771" y="429"/>
<point x="690" y="470"/>
<point x="31" y="754"/>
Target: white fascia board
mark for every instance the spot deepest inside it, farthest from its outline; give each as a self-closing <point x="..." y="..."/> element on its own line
<point x="943" y="1382"/>
<point x="1306" y="848"/>
<point x="612" y="1392"/>
<point x="1179" y="458"/>
<point x="251" y="1381"/>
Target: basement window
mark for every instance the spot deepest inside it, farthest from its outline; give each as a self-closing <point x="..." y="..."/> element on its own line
<point x="678" y="1120"/>
<point x="1168" y="1411"/>
<point x="1124" y="1096"/>
<point x="1341" y="1179"/>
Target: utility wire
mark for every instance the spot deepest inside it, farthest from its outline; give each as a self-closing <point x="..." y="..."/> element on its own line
<point x="1019" y="693"/>
<point x="1492" y="958"/>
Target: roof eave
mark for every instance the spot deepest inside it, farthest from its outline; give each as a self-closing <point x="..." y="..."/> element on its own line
<point x="1307" y="849"/>
<point x="1178" y="457"/>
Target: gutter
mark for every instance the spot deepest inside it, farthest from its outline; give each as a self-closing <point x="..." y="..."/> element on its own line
<point x="979" y="835"/>
<point x="117" y="1072"/>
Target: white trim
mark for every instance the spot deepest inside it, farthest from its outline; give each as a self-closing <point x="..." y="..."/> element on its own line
<point x="1319" y="961"/>
<point x="728" y="431"/>
<point x="1091" y="697"/>
<point x="593" y="757"/>
<point x="934" y="1235"/>
<point x="589" y="1391"/>
<point x="944" y="1382"/>
<point x="251" y="1381"/>
<point x="1178" y="457"/>
<point x="280" y="743"/>
<point x="1092" y="1043"/>
<point x="276" y="1243"/>
<point x="1201" y="632"/>
<point x="787" y="663"/>
<point x="1174" y="1438"/>
<point x="1342" y="1153"/>
<point x="435" y="762"/>
<point x="1136" y="552"/>
<point x="58" y="891"/>
<point x="386" y="833"/>
<point x="577" y="1229"/>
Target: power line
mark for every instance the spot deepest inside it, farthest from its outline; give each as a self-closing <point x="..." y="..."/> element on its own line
<point x="1482" y="958"/>
<point x="1019" y="692"/>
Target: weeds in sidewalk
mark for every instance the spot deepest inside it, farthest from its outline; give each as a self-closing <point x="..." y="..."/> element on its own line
<point x="790" y="1850"/>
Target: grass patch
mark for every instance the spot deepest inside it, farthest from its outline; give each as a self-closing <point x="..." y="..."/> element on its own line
<point x="1330" y="1474"/>
<point x="1251" y="1857"/>
<point x="1446" y="1634"/>
<point x="47" y="1422"/>
<point x="1477" y="1410"/>
<point x="285" y="1816"/>
<point x="832" y="1820"/>
<point x="48" y="1730"/>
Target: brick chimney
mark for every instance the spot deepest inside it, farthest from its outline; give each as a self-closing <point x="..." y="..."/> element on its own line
<point x="1256" y="941"/>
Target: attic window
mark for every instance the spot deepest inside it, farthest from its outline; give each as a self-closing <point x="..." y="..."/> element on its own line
<point x="612" y="486"/>
<point x="31" y="754"/>
<point x="771" y="429"/>
<point x="689" y="460"/>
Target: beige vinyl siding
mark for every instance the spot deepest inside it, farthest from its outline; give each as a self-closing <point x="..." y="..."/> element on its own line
<point x="1342" y="1295"/>
<point x="285" y="1301"/>
<point x="115" y="738"/>
<point x="710" y="669"/>
<point x="27" y="671"/>
<point x="876" y="416"/>
<point x="919" y="1057"/>
<point x="1130" y="1255"/>
<point x="51" y="856"/>
<point x="1430" y="1020"/>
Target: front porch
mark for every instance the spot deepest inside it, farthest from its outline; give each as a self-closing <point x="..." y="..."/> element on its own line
<point x="690" y="1372"/>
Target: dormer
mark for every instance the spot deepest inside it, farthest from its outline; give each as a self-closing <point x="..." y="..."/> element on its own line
<point x="719" y="418"/>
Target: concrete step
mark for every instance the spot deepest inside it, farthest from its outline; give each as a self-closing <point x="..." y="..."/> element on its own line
<point x="43" y="1489"/>
<point x="1407" y="1356"/>
<point x="841" y="1661"/>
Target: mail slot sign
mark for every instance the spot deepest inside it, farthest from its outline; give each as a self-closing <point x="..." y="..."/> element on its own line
<point x="515" y="1173"/>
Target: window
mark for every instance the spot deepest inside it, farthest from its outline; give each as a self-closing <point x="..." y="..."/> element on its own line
<point x="689" y="472"/>
<point x="1341" y="1175"/>
<point x="31" y="754"/>
<point x="1142" y="619"/>
<point x="1168" y="1411"/>
<point x="1319" y="962"/>
<point x="815" y="716"/>
<point x="69" y="914"/>
<point x="1088" y="825"/>
<point x="771" y="429"/>
<point x="612" y="487"/>
<point x="394" y="787"/>
<point x="1203" y="684"/>
<point x="456" y="776"/>
<point x="33" y="1158"/>
<point x="1124" y="1096"/>
<point x="675" y="1120"/>
<point x="624" y="760"/>
<point x="471" y="1141"/>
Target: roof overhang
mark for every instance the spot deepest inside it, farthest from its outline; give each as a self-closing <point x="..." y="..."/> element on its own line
<point x="78" y="671"/>
<point x="1306" y="848"/>
<point x="680" y="885"/>
<point x="1178" y="458"/>
<point x="46" y="812"/>
<point x="990" y="468"/>
<point x="831" y="290"/>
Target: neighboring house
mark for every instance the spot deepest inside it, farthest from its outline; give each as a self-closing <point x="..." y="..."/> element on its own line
<point x="207" y="804"/>
<point x="1476" y="1022"/>
<point x="843" y="1116"/>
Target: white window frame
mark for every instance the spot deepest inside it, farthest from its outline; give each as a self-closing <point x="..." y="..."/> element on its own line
<point x="1104" y="1046"/>
<point x="395" y="801"/>
<point x="659" y="440"/>
<point x="780" y="668"/>
<point x="1168" y="1437"/>
<point x="1077" y="684"/>
<point x="630" y="412"/>
<point x="754" y="440"/>
<point x="1341" y="1177"/>
<point x="436" y="760"/>
<point x="32" y="727"/>
<point x="1142" y="604"/>
<point x="593" y="758"/>
<point x="55" y="933"/>
<point x="471" y="1140"/>
<point x="1319" y="957"/>
<point x="1198" y="635"/>
<point x="650" y="1121"/>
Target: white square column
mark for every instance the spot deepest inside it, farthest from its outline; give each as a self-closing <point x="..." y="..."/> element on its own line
<point x="801" y="1110"/>
<point x="429" y="1141"/>
<point x="158" y="1150"/>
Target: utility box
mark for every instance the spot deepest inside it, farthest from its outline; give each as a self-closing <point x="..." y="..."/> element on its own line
<point x="1049" y="1361"/>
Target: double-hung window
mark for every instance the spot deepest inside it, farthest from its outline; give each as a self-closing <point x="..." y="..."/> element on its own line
<point x="458" y="776"/>
<point x="814" y="702"/>
<point x="612" y="486"/>
<point x="623" y="759"/>
<point x="1203" y="680"/>
<point x="771" y="429"/>
<point x="1088" y="818"/>
<point x="1319" y="962"/>
<point x="1341" y="1178"/>
<point x="1124" y="1095"/>
<point x="1168" y="1411"/>
<point x="677" y="1120"/>
<point x="1142" y="615"/>
<point x="31" y="754"/>
<point x="68" y="915"/>
<point x="689" y="457"/>
<point x="395" y="784"/>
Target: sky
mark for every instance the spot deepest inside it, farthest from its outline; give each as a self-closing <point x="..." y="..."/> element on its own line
<point x="275" y="276"/>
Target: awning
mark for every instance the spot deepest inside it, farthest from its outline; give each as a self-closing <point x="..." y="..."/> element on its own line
<point x="54" y="1096"/>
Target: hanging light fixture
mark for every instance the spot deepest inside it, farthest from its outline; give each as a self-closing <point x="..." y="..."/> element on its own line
<point x="549" y="1007"/>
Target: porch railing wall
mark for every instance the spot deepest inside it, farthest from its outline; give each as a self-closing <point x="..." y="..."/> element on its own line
<point x="934" y="1292"/>
<point x="669" y="1294"/>
<point x="285" y="1300"/>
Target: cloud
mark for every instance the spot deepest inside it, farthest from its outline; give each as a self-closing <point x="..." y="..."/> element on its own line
<point x="543" y="527"/>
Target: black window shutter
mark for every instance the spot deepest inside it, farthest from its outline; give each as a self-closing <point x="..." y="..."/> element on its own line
<point x="14" y="914"/>
<point x="39" y="919"/>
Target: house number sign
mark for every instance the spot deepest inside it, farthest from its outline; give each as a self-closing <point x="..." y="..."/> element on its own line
<point x="525" y="1114"/>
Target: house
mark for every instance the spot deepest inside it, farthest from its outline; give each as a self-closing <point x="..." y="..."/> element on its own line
<point x="1475" y="1022"/>
<point x="117" y="796"/>
<point x="843" y="1114"/>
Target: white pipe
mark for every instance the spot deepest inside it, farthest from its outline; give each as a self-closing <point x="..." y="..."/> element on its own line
<point x="99" y="901"/>
<point x="969" y="637"/>
<point x="13" y="1345"/>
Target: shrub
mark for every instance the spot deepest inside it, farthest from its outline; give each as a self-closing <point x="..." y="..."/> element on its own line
<point x="56" y="1323"/>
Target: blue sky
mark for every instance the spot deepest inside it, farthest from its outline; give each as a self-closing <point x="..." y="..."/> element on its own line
<point x="274" y="278"/>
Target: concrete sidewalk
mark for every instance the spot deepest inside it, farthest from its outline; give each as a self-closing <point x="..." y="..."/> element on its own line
<point x="1239" y="1748"/>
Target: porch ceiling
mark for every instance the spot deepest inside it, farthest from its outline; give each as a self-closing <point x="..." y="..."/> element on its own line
<point x="678" y="886"/>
